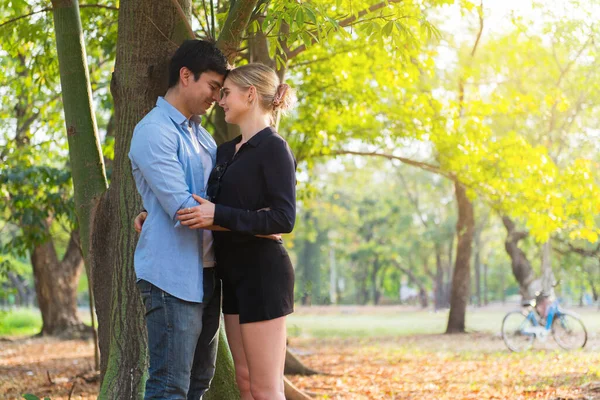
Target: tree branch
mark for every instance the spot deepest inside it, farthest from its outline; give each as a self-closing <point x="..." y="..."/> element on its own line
<point x="578" y="250"/>
<point x="343" y="23"/>
<point x="419" y="164"/>
<point x="186" y="22"/>
<point x="73" y="255"/>
<point x="461" y="82"/>
<point x="49" y="9"/>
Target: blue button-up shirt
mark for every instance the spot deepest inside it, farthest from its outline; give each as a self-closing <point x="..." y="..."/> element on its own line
<point x="167" y="167"/>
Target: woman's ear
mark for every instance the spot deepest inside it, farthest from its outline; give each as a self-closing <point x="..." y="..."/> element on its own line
<point x="251" y="94"/>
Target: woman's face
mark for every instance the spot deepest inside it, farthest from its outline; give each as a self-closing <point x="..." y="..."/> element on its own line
<point x="235" y="102"/>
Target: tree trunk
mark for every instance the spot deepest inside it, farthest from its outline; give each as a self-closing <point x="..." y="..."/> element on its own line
<point x="56" y="284"/>
<point x="485" y="284"/>
<point x="234" y="26"/>
<point x="416" y="281"/>
<point x="465" y="227"/>
<point x="449" y="272"/>
<point x="333" y="286"/>
<point x="293" y="366"/>
<point x="374" y="289"/>
<point x="439" y="301"/>
<point x="85" y="155"/>
<point x="592" y="282"/>
<point x="223" y="385"/>
<point x="25" y="292"/>
<point x="477" y="263"/>
<point x="521" y="267"/>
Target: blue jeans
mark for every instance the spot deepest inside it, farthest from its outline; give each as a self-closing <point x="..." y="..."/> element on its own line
<point x="182" y="340"/>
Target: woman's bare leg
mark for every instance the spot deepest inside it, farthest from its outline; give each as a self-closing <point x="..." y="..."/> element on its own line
<point x="264" y="347"/>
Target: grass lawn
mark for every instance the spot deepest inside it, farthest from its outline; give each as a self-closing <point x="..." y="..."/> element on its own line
<point x="20" y="322"/>
<point x="28" y="321"/>
<point x="369" y="321"/>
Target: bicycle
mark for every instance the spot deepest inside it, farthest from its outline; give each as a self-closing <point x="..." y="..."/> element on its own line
<point x="520" y="328"/>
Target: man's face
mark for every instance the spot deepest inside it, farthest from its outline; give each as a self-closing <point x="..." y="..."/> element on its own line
<point x="201" y="94"/>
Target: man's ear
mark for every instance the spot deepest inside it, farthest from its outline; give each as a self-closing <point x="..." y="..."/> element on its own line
<point x="184" y="76"/>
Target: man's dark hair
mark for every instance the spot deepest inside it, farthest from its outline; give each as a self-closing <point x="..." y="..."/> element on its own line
<point x="198" y="56"/>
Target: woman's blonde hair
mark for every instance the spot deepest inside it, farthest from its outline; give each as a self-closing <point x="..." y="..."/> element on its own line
<point x="272" y="95"/>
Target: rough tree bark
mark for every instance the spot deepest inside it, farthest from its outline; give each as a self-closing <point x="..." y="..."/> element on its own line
<point x="56" y="284"/>
<point x="465" y="227"/>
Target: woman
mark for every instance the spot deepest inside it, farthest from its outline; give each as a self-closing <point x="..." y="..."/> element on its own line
<point x="255" y="171"/>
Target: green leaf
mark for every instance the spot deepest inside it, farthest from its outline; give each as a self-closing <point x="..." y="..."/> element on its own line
<point x="299" y="17"/>
<point x="306" y="39"/>
<point x="310" y="14"/>
<point x="387" y="28"/>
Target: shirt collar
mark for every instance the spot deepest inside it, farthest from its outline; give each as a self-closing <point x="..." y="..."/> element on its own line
<point x="256" y="139"/>
<point x="175" y="114"/>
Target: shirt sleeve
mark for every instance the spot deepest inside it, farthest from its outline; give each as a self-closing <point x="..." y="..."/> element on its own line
<point x="279" y="174"/>
<point x="154" y="152"/>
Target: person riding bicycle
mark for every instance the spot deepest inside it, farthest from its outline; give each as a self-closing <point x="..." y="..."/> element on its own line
<point x="544" y="306"/>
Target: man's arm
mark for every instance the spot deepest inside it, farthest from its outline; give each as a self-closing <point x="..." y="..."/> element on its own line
<point x="154" y="152"/>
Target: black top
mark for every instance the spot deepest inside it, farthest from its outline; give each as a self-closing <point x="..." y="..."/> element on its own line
<point x="262" y="174"/>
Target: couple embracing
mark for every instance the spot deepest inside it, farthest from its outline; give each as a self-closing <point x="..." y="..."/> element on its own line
<point x="211" y="225"/>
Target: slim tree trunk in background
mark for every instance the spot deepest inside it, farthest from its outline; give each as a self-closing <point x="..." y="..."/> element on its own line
<point x="503" y="287"/>
<point x="84" y="147"/>
<point x="477" y="264"/>
<point x="449" y="272"/>
<point x="24" y="291"/>
<point x="416" y="281"/>
<point x="465" y="227"/>
<point x="439" y="300"/>
<point x="85" y="155"/>
<point x="333" y="290"/>
<point x="374" y="289"/>
<point x="308" y="266"/>
<point x="485" y="284"/>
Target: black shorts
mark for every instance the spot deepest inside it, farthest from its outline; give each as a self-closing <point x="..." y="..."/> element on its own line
<point x="258" y="279"/>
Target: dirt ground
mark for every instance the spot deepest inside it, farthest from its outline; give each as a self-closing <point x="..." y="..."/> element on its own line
<point x="472" y="366"/>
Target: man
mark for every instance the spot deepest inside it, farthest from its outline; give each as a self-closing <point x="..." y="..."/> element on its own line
<point x="172" y="157"/>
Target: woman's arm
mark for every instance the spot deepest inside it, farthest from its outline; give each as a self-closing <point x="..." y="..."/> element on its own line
<point x="138" y="223"/>
<point x="280" y="185"/>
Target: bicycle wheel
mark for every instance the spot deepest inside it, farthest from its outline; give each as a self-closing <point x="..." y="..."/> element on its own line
<point x="568" y="331"/>
<point x="516" y="331"/>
